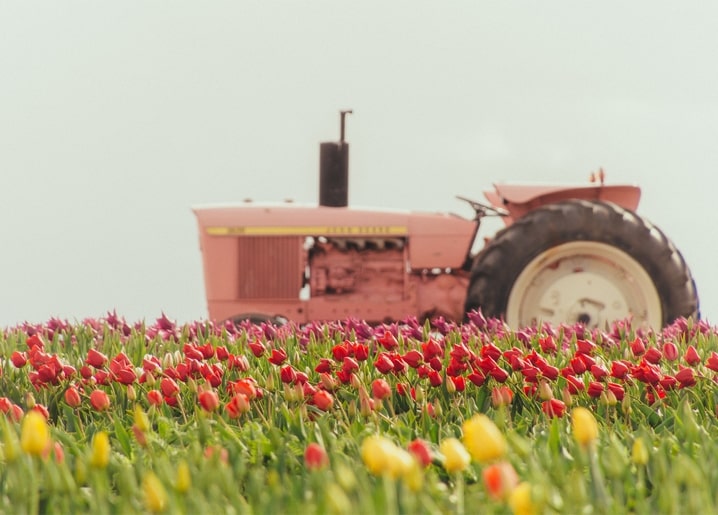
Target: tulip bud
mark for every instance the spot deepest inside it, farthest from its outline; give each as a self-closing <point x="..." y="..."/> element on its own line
<point x="35" y="434"/>
<point x="154" y="492"/>
<point x="131" y="394"/>
<point x="483" y="439"/>
<point x="100" y="455"/>
<point x="184" y="478"/>
<point x="639" y="453"/>
<point x="544" y="391"/>
<point x="584" y="425"/>
<point x="456" y="457"/>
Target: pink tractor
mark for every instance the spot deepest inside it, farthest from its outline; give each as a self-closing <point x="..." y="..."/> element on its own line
<point x="568" y="254"/>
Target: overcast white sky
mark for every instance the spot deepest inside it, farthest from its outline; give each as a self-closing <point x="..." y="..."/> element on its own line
<point x="117" y="117"/>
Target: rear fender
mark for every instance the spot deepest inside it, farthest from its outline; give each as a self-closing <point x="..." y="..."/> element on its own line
<point x="520" y="199"/>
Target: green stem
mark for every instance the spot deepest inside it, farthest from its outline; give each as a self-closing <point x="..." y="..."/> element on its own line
<point x="459" y="489"/>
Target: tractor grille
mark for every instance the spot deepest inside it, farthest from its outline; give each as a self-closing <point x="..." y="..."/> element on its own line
<point x="270" y="267"/>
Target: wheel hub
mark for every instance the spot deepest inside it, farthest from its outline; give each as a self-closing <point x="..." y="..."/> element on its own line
<point x="583" y="282"/>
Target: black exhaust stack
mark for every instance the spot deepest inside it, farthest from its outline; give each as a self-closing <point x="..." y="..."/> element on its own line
<point x="334" y="170"/>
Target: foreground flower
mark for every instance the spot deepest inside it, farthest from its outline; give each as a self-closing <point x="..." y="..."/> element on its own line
<point x="155" y="494"/>
<point x="184" y="478"/>
<point x="639" y="453"/>
<point x="421" y="451"/>
<point x="456" y="457"/>
<point x="382" y="457"/>
<point x="35" y="434"/>
<point x="483" y="439"/>
<point x="500" y="479"/>
<point x="100" y="455"/>
<point x="100" y="400"/>
<point x="584" y="426"/>
<point x="315" y="457"/>
<point x="209" y="400"/>
<point x="520" y="500"/>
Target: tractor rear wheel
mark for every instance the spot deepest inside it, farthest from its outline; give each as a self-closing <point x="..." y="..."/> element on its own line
<point x="579" y="261"/>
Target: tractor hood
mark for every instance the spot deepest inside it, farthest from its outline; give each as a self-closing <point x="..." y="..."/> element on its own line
<point x="434" y="240"/>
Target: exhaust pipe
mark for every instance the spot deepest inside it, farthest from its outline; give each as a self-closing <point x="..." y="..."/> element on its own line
<point x="334" y="170"/>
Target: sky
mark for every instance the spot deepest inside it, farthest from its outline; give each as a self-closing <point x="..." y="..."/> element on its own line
<point x="117" y="117"/>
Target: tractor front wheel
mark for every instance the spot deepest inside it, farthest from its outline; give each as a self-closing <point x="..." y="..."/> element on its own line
<point x="579" y="261"/>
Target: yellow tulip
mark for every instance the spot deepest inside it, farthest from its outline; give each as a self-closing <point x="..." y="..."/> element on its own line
<point x="483" y="439"/>
<point x="142" y="421"/>
<point x="184" y="478"/>
<point x="155" y="493"/>
<point x="399" y="462"/>
<point x="376" y="452"/>
<point x="584" y="425"/>
<point x="100" y="456"/>
<point x="34" y="434"/>
<point x="639" y="453"/>
<point x="456" y="457"/>
<point x="520" y="500"/>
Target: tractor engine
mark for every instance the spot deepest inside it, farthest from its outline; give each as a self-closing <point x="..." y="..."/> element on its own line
<point x="365" y="267"/>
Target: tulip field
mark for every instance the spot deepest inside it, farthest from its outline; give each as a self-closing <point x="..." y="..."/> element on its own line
<point x="109" y="416"/>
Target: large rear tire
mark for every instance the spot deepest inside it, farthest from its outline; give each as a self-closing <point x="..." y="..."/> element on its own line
<point x="581" y="261"/>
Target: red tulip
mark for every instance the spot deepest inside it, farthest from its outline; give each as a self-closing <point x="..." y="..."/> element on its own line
<point x="19" y="359"/>
<point x="222" y="353"/>
<point x="548" y="345"/>
<point x="287" y="374"/>
<point x="169" y="387"/>
<point x="712" y="361"/>
<point x="380" y="389"/>
<point x="435" y="378"/>
<point x="413" y="358"/>
<point x="691" y="356"/>
<point x="388" y="341"/>
<point x="686" y="377"/>
<point x="553" y="408"/>
<point x="323" y="400"/>
<point x="238" y="404"/>
<point x="361" y="352"/>
<point x="599" y="372"/>
<point x="95" y="358"/>
<point x="501" y="396"/>
<point x="257" y="348"/>
<point x="209" y="400"/>
<point x="459" y="383"/>
<point x="499" y="374"/>
<point x="619" y="369"/>
<point x="341" y="351"/>
<point x="349" y="365"/>
<point x="638" y="348"/>
<point x="575" y="385"/>
<point x="670" y="351"/>
<point x="431" y="349"/>
<point x="315" y="457"/>
<point x="585" y="347"/>
<point x="421" y="450"/>
<point x="99" y="400"/>
<point x="477" y="377"/>
<point x="383" y="363"/>
<point x="617" y="390"/>
<point x="489" y="350"/>
<point x="595" y="389"/>
<point x="278" y="357"/>
<point x="653" y="355"/>
<point x="154" y="397"/>
<point x="72" y="397"/>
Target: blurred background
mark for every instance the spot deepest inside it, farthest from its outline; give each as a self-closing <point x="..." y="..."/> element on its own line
<point x="116" y="118"/>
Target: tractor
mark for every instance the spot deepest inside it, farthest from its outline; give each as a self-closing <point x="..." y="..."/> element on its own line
<point x="567" y="254"/>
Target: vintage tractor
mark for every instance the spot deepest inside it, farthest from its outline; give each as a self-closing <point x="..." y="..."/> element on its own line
<point x="568" y="254"/>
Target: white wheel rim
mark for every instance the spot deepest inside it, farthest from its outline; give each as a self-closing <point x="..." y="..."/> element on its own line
<point x="584" y="281"/>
